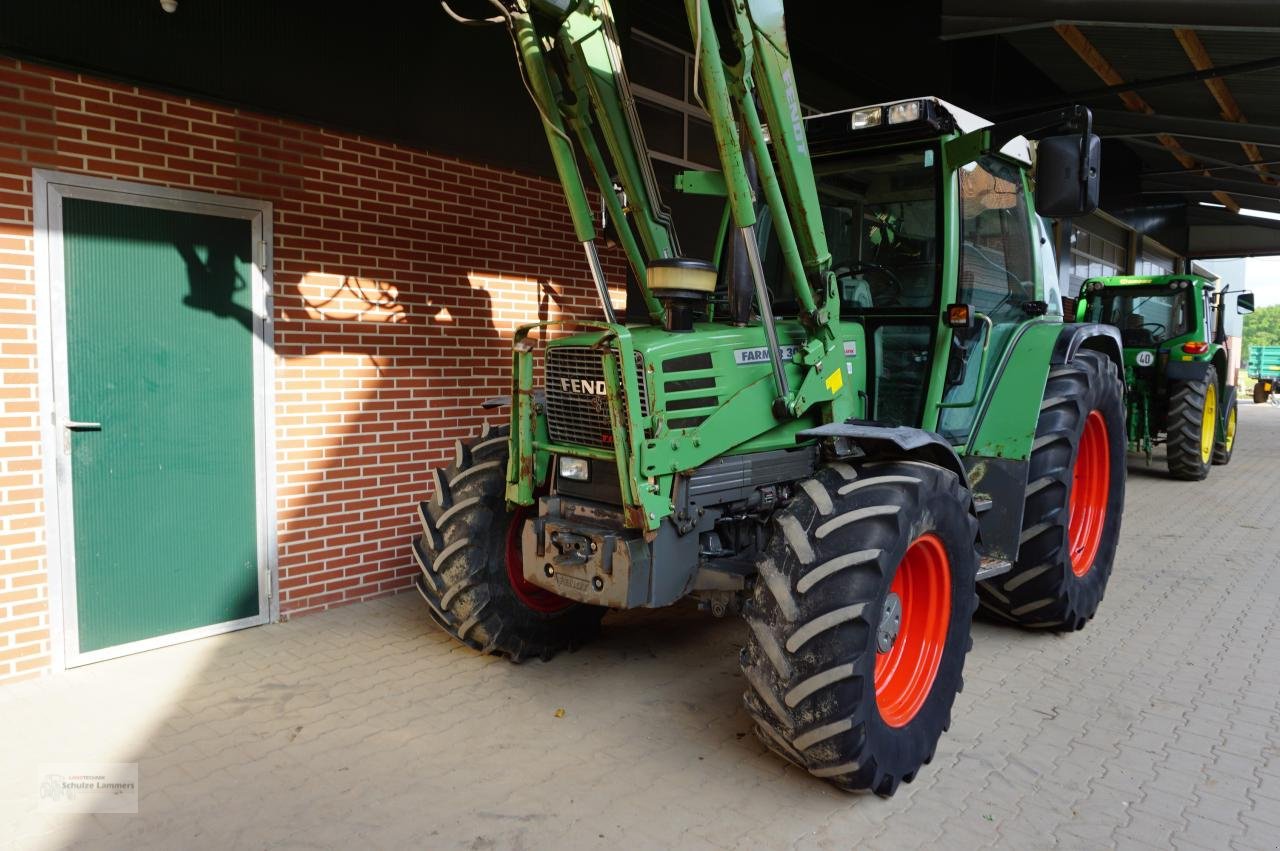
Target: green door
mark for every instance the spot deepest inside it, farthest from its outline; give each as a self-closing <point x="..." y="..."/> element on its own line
<point x="158" y="423"/>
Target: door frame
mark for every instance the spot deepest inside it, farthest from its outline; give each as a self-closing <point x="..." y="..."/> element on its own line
<point x="50" y="188"/>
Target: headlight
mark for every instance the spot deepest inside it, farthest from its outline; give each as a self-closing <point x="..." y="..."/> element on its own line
<point x="865" y="118"/>
<point x="577" y="469"/>
<point x="901" y="113"/>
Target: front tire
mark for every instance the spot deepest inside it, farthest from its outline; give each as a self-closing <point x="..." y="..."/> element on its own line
<point x="471" y="566"/>
<point x="1074" y="500"/>
<point x="860" y="620"/>
<point x="1192" y="422"/>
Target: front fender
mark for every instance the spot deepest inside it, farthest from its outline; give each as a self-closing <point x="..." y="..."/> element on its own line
<point x="1089" y="335"/>
<point x="891" y="442"/>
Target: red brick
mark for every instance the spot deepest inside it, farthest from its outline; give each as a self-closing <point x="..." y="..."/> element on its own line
<point x="372" y="388"/>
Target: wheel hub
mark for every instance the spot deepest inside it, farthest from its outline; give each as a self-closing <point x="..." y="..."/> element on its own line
<point x="890" y="623"/>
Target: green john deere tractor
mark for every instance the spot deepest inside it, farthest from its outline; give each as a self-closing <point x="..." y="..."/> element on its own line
<point x="1175" y="363"/>
<point x="861" y="418"/>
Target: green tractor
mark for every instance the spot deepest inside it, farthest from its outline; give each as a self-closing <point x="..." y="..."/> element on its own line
<point x="858" y="421"/>
<point x="1175" y="364"/>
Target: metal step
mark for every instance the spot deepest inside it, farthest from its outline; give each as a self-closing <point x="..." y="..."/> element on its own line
<point x="989" y="568"/>
<point x="982" y="504"/>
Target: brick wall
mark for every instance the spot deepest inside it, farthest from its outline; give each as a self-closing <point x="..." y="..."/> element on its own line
<point x="398" y="276"/>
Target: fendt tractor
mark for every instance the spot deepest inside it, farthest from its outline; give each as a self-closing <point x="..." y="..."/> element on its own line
<point x="1173" y="328"/>
<point x="856" y="422"/>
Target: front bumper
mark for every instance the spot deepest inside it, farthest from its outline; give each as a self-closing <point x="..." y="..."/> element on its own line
<point x="582" y="551"/>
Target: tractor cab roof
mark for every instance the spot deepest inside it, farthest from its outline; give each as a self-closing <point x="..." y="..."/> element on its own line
<point x="1114" y="281"/>
<point x="899" y="121"/>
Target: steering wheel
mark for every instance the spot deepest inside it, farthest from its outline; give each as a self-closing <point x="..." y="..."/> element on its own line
<point x="1154" y="325"/>
<point x="883" y="296"/>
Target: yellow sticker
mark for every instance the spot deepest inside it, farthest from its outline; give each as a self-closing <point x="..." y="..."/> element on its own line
<point x="835" y="381"/>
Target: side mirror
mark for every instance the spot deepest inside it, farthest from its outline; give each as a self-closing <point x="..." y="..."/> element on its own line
<point x="1244" y="303"/>
<point x="1067" y="175"/>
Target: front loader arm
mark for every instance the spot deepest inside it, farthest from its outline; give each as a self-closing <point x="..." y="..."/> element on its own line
<point x="790" y="189"/>
<point x="761" y="21"/>
<point x="569" y="54"/>
<point x="571" y="61"/>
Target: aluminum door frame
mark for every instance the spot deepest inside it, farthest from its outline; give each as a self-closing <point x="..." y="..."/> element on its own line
<point x="50" y="189"/>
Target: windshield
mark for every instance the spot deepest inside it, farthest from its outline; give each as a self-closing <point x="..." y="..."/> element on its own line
<point x="1146" y="316"/>
<point x="880" y="214"/>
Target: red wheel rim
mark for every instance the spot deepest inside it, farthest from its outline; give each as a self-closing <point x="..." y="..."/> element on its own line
<point x="905" y="673"/>
<point x="539" y="599"/>
<point x="1090" y="484"/>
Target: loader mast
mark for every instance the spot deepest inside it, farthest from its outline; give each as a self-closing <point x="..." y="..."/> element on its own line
<point x="571" y="63"/>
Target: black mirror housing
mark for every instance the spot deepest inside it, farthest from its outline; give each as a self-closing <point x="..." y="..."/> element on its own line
<point x="1244" y="303"/>
<point x="1068" y="172"/>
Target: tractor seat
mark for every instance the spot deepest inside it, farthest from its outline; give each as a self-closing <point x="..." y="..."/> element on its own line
<point x="1137" y="338"/>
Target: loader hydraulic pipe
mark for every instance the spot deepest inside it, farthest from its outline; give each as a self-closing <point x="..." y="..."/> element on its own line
<point x="777" y="205"/>
<point x="737" y="181"/>
<point x="618" y="216"/>
<point x="748" y="237"/>
<point x="720" y="107"/>
<point x="593" y="62"/>
<point x="775" y="80"/>
<point x="597" y="276"/>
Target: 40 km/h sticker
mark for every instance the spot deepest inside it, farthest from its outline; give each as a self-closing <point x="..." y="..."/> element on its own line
<point x="1145" y="359"/>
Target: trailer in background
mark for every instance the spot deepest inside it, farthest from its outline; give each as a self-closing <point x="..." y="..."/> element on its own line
<point x="1264" y="369"/>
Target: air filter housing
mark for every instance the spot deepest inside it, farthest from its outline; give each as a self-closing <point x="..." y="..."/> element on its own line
<point x="682" y="285"/>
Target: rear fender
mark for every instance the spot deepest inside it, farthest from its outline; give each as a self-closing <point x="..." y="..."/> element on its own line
<point x="1228" y="404"/>
<point x="1182" y="370"/>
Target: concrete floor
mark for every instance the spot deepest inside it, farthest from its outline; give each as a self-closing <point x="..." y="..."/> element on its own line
<point x="1157" y="725"/>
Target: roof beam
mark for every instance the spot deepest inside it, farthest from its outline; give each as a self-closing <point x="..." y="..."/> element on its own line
<point x="957" y="28"/>
<point x="972" y="18"/>
<point x="1194" y="128"/>
<point x="1198" y="215"/>
<point x="1133" y="101"/>
<point x="1195" y="50"/>
<point x="1218" y="71"/>
<point x="1202" y="183"/>
<point x="1221" y="165"/>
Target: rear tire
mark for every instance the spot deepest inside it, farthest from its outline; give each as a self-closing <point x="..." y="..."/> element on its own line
<point x="463" y="554"/>
<point x="829" y="688"/>
<point x="1191" y="427"/>
<point x="1074" y="500"/>
<point x="1222" y="450"/>
<point x="1260" y="393"/>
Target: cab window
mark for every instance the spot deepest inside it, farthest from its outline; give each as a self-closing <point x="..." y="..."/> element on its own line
<point x="996" y="269"/>
<point x="880" y="215"/>
<point x="1146" y="316"/>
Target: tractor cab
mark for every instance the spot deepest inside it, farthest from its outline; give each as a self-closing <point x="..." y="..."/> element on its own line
<point x="893" y="180"/>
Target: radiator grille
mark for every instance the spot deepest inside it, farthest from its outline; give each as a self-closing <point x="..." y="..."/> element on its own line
<point x="576" y="412"/>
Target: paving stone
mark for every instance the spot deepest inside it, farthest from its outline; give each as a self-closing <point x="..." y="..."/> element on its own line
<point x="1155" y="726"/>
